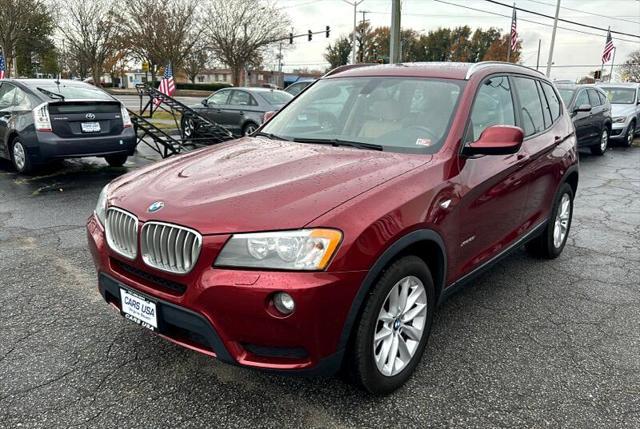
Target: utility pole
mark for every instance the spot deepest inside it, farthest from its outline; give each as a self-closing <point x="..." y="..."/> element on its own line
<point x="363" y="41"/>
<point x="538" y="60"/>
<point x="355" y="5"/>
<point x="613" y="60"/>
<point x="394" y="48"/>
<point x="280" y="66"/>
<point x="553" y="39"/>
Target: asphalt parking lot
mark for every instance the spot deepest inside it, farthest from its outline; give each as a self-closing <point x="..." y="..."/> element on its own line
<point x="530" y="344"/>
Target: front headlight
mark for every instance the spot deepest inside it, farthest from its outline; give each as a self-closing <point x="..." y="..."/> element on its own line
<point x="619" y="119"/>
<point x="101" y="205"/>
<point x="305" y="249"/>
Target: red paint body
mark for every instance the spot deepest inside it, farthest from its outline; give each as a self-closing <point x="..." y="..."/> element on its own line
<point x="374" y="198"/>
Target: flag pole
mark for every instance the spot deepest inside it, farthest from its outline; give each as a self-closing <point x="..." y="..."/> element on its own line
<point x="613" y="60"/>
<point x="510" y="34"/>
<point x="602" y="67"/>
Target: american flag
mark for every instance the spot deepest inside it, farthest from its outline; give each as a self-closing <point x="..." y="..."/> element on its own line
<point x="2" y="66"/>
<point x="514" y="31"/>
<point x="608" y="48"/>
<point x="167" y="84"/>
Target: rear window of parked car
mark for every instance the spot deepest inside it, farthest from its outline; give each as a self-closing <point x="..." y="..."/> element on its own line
<point x="530" y="105"/>
<point x="76" y="92"/>
<point x="276" y="97"/>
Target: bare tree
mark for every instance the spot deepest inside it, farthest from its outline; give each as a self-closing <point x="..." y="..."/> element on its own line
<point x="240" y="31"/>
<point x="630" y="70"/>
<point x="196" y="61"/>
<point x="91" y="33"/>
<point x="161" y="31"/>
<point x="16" y="20"/>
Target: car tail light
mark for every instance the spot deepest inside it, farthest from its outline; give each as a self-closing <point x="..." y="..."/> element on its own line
<point x="126" y="119"/>
<point x="41" y="118"/>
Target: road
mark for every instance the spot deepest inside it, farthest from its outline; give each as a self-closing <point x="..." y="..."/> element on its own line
<point x="530" y="344"/>
<point x="132" y="102"/>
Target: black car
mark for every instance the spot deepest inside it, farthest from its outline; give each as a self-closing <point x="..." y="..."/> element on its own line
<point x="43" y="120"/>
<point x="591" y="114"/>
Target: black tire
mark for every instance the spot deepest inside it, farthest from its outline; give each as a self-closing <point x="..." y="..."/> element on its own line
<point x="631" y="131"/>
<point x="117" y="160"/>
<point x="188" y="128"/>
<point x="22" y="163"/>
<point x="543" y="246"/>
<point x="360" y="361"/>
<point x="603" y="144"/>
<point x="249" y="128"/>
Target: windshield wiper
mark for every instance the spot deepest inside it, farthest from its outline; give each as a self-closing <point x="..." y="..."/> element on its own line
<point x="338" y="142"/>
<point x="50" y="94"/>
<point x="271" y="136"/>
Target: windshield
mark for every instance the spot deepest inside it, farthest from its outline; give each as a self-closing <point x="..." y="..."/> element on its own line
<point x="620" y="95"/>
<point x="566" y="95"/>
<point x="76" y="92"/>
<point x="400" y="114"/>
<point x="276" y="97"/>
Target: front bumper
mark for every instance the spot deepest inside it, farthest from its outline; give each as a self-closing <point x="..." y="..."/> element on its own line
<point x="619" y="131"/>
<point x="227" y="313"/>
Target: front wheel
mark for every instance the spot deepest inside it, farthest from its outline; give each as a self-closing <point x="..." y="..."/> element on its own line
<point x="393" y="330"/>
<point x="631" y="133"/>
<point x="249" y="129"/>
<point x="551" y="242"/>
<point x="116" y="160"/>
<point x="601" y="148"/>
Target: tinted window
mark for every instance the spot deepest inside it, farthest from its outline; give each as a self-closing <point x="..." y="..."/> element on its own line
<point x="493" y="106"/>
<point x="545" y="106"/>
<point x="594" y="100"/>
<point x="552" y="100"/>
<point x="75" y="91"/>
<point x="241" y="98"/>
<point x="582" y="98"/>
<point x="530" y="106"/>
<point x="296" y="88"/>
<point x="7" y="93"/>
<point x="603" y="98"/>
<point x="219" y="97"/>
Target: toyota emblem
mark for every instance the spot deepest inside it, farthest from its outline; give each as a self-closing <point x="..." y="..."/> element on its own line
<point x="90" y="116"/>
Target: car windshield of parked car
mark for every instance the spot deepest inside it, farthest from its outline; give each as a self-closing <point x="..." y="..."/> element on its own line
<point x="276" y="97"/>
<point x="76" y="92"/>
<point x="397" y="114"/>
<point x="566" y="94"/>
<point x="620" y="95"/>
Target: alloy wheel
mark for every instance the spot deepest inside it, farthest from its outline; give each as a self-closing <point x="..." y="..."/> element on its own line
<point x="604" y="140"/>
<point x="631" y="134"/>
<point x="250" y="129"/>
<point x="400" y="326"/>
<point x="188" y="128"/>
<point x="563" y="216"/>
<point x="19" y="156"/>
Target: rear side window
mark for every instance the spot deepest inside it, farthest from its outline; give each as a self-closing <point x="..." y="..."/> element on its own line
<point x="530" y="105"/>
<point x="603" y="97"/>
<point x="552" y="100"/>
<point x="7" y="94"/>
<point x="241" y="98"/>
<point x="493" y="106"/>
<point x="594" y="100"/>
<point x="545" y="106"/>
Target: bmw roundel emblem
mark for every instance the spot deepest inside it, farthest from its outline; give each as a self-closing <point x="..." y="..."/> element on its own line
<point x="155" y="206"/>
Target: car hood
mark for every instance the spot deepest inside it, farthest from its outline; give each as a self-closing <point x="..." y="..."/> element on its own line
<point x="623" y="109"/>
<point x="256" y="184"/>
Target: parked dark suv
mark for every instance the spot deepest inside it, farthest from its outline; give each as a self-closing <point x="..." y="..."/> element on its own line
<point x="41" y="120"/>
<point x="308" y="247"/>
<point x="591" y="114"/>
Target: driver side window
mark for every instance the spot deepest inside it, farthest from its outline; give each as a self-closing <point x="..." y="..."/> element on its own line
<point x="493" y="106"/>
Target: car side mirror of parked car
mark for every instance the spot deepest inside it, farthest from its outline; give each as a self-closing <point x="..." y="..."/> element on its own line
<point x="205" y="102"/>
<point x="268" y="115"/>
<point x="583" y="108"/>
<point x="496" y="140"/>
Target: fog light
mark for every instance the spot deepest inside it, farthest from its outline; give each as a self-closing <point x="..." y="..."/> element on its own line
<point x="284" y="303"/>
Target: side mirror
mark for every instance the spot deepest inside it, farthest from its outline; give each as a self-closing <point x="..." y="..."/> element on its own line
<point x="205" y="102"/>
<point x="496" y="140"/>
<point x="583" y="108"/>
<point x="268" y="115"/>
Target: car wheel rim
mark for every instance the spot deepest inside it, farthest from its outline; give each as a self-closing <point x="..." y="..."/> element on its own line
<point x="563" y="216"/>
<point x="604" y="141"/>
<point x="188" y="128"/>
<point x="631" y="134"/>
<point x="249" y="130"/>
<point x="19" y="156"/>
<point x="400" y="326"/>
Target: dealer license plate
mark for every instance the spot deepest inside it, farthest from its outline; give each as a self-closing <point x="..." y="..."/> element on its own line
<point x="139" y="309"/>
<point x="90" y="127"/>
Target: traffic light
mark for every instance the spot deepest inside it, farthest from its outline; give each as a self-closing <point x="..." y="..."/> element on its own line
<point x="291" y="38"/>
<point x="309" y="35"/>
<point x="597" y="75"/>
<point x="328" y="29"/>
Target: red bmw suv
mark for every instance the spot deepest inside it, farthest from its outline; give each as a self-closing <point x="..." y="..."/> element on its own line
<point x="327" y="238"/>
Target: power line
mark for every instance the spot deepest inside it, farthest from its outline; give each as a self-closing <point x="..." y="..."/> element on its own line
<point x="616" y="18"/>
<point x="561" y="19"/>
<point x="526" y="20"/>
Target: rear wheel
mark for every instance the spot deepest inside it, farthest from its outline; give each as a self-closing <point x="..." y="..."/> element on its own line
<point x="249" y="128"/>
<point x="20" y="157"/>
<point x="116" y="160"/>
<point x="601" y="148"/>
<point x="392" y="333"/>
<point x="551" y="242"/>
<point x="631" y="132"/>
<point x="188" y="128"/>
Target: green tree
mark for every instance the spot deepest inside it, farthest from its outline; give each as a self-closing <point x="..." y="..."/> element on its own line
<point x="338" y="54"/>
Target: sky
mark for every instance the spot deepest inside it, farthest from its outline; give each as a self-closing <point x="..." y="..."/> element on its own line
<point x="571" y="48"/>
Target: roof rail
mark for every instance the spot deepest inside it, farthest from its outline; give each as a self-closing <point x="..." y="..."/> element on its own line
<point x="478" y="66"/>
<point x="347" y="67"/>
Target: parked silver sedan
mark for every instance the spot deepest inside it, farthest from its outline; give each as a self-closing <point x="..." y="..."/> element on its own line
<point x="625" y="110"/>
